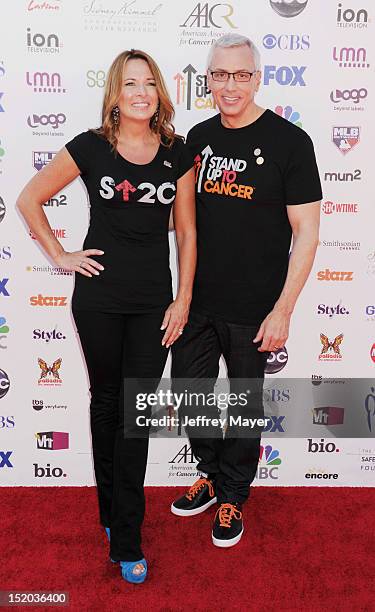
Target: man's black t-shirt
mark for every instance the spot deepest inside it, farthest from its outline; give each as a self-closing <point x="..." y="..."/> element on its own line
<point x="245" y="178"/>
<point x="129" y="215"/>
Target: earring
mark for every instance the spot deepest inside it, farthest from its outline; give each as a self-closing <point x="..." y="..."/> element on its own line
<point x="116" y="115"/>
<point x="155" y="117"/>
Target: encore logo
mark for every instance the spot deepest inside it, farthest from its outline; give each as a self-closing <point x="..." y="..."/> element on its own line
<point x="40" y="300"/>
<point x="334" y="275"/>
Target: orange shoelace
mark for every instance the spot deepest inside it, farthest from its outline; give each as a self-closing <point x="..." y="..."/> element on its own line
<point x="197" y="486"/>
<point x="226" y="513"/>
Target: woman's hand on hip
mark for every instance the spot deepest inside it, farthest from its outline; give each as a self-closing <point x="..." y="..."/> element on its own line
<point x="174" y="321"/>
<point x="80" y="261"/>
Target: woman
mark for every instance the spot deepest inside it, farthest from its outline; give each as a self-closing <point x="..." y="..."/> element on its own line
<point x="134" y="169"/>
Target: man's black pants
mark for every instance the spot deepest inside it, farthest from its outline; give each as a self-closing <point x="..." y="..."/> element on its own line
<point x="232" y="460"/>
<point x="118" y="347"/>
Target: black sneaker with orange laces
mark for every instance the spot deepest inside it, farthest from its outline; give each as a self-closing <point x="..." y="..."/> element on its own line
<point x="228" y="526"/>
<point x="199" y="497"/>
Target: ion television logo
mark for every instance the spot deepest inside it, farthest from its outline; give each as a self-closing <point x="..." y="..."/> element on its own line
<point x="288" y="8"/>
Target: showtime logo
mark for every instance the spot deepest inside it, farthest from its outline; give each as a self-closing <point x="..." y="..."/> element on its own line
<point x="269" y="457"/>
<point x="329" y="208"/>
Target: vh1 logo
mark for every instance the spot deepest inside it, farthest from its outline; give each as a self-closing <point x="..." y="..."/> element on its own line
<point x="52" y="440"/>
<point x="328" y="415"/>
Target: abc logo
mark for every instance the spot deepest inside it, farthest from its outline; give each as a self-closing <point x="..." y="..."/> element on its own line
<point x="288" y="8"/>
<point x="4" y="383"/>
<point x="276" y="361"/>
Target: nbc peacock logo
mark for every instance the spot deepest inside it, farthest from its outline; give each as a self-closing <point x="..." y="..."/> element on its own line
<point x="289" y="114"/>
<point x="270" y="458"/>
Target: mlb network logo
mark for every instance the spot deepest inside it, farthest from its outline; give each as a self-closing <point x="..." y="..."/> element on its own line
<point x="328" y="415"/>
<point x="52" y="440"/>
<point x="42" y="158"/>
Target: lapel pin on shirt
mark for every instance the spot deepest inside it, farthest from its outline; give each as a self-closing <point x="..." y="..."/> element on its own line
<point x="259" y="160"/>
<point x="167" y="163"/>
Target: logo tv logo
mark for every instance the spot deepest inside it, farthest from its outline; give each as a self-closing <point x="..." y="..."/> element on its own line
<point x="191" y="89"/>
<point x="345" y="138"/>
<point x="288" y="8"/>
<point x="348" y="95"/>
<point x="52" y="440"/>
<point x="44" y="82"/>
<point x="349" y="57"/>
<point x="330" y="350"/>
<point x="42" y="158"/>
<point x="53" y="120"/>
<point x="328" y="415"/>
<point x="205" y="16"/>
<point x="269" y="457"/>
<point x="284" y="75"/>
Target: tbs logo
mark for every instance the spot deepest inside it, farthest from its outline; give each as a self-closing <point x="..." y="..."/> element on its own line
<point x="284" y="75"/>
<point x="321" y="447"/>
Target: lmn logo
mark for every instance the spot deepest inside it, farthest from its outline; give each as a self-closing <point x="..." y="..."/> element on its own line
<point x="206" y="15"/>
<point x="184" y="455"/>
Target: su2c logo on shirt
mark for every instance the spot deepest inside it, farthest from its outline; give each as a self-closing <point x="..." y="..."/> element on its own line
<point x="221" y="175"/>
<point x="165" y="193"/>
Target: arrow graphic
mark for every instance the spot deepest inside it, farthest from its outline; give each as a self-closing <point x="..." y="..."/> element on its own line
<point x="189" y="70"/>
<point x="125" y="187"/>
<point x="207" y="151"/>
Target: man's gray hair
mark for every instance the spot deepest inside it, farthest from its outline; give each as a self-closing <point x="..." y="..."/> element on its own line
<point x="235" y="40"/>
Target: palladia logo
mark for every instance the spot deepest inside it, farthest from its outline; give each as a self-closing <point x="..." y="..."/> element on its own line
<point x="49" y="300"/>
<point x="334" y="275"/>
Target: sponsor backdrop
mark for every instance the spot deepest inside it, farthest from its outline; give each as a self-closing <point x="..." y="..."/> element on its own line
<point x="318" y="72"/>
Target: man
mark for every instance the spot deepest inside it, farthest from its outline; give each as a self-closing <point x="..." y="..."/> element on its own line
<point x="257" y="186"/>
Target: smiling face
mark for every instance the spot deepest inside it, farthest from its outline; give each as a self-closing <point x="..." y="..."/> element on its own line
<point x="235" y="100"/>
<point x="139" y="97"/>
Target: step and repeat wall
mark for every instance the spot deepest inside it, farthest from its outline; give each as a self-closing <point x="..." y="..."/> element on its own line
<point x="318" y="72"/>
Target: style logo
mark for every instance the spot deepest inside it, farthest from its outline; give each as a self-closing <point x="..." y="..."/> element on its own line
<point x="350" y="18"/>
<point x="39" y="43"/>
<point x="218" y="15"/>
<point x="95" y="78"/>
<point x="370" y="409"/>
<point x="345" y="138"/>
<point x="321" y="447"/>
<point x="40" y="300"/>
<point x="44" y="82"/>
<point x="287" y="42"/>
<point x="4" y="383"/>
<point x="3" y="290"/>
<point x="330" y="208"/>
<point x="331" y="311"/>
<point x="184" y="455"/>
<point x="330" y="350"/>
<point x="4" y="459"/>
<point x="349" y="57"/>
<point x="52" y="440"/>
<point x="346" y="177"/>
<point x="334" y="275"/>
<point x="42" y="158"/>
<point x="192" y="90"/>
<point x="47" y="472"/>
<point x="47" y="371"/>
<point x="4" y="330"/>
<point x="276" y="361"/>
<point x="2" y="209"/>
<point x="47" y="336"/>
<point x="59" y="200"/>
<point x="53" y="120"/>
<point x="348" y="95"/>
<point x="328" y="415"/>
<point x="270" y="458"/>
<point x="284" y="75"/>
<point x="288" y="113"/>
<point x="52" y="6"/>
<point x="288" y="8"/>
<point x="7" y="422"/>
<point x="372" y="353"/>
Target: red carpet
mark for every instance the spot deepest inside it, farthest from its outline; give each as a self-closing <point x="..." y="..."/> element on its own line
<point x="305" y="549"/>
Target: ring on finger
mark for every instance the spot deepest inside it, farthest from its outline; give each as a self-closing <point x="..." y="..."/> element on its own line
<point x="180" y="330"/>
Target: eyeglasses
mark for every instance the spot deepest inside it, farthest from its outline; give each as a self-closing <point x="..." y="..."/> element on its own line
<point x="240" y="77"/>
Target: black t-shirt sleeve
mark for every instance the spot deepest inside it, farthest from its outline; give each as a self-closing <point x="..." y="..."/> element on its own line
<point x="301" y="179"/>
<point x="81" y="149"/>
<point x="185" y="160"/>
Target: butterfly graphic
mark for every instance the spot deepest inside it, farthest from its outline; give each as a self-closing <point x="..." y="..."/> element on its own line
<point x="54" y="369"/>
<point x="327" y="345"/>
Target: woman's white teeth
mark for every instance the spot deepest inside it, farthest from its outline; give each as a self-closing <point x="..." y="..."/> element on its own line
<point x="141" y="104"/>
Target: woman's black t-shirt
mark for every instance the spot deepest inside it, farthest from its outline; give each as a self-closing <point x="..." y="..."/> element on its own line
<point x="130" y="206"/>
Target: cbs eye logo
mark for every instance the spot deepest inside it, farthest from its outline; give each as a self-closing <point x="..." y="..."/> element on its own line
<point x="276" y="361"/>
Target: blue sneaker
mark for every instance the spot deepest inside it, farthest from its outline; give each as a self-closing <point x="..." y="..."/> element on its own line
<point x="127" y="573"/>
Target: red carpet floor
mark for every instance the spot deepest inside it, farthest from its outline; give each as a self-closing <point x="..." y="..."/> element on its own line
<point x="305" y="549"/>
